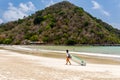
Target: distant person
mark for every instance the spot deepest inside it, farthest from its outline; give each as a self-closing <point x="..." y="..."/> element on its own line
<point x="68" y="56"/>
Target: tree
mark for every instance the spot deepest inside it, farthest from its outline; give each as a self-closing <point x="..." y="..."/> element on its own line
<point x="71" y="42"/>
<point x="38" y="20"/>
<point x="7" y="41"/>
<point x="34" y="38"/>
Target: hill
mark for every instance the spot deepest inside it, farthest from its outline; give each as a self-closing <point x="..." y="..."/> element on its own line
<point x="61" y="24"/>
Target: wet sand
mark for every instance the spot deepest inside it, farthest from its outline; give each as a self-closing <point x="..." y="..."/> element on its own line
<point x="20" y="66"/>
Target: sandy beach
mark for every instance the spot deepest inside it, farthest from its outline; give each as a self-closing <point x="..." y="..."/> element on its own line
<point x="18" y="65"/>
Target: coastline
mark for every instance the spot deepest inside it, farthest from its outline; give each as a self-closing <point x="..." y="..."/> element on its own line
<point x="27" y="48"/>
<point x="96" y="58"/>
<point x="18" y="66"/>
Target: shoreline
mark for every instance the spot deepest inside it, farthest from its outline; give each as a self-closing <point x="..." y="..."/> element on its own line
<point x="18" y="66"/>
<point x="27" y="48"/>
<point x="88" y="57"/>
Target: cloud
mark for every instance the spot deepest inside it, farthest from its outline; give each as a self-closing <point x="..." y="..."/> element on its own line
<point x="106" y="13"/>
<point x="1" y="21"/>
<point x="27" y="7"/>
<point x="98" y="7"/>
<point x="14" y="13"/>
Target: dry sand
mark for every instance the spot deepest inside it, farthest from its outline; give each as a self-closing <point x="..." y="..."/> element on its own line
<point x="16" y="66"/>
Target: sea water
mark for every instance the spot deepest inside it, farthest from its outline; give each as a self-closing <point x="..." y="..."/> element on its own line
<point x="115" y="50"/>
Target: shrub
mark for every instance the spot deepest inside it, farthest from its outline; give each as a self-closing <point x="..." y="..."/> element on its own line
<point x="45" y="39"/>
<point x="48" y="27"/>
<point x="38" y="20"/>
<point x="48" y="16"/>
<point x="7" y="41"/>
<point x="1" y="40"/>
<point x="61" y="13"/>
<point x="17" y="42"/>
<point x="98" y="25"/>
<point x="40" y="31"/>
<point x="34" y="38"/>
<point x="52" y="24"/>
<point x="71" y="42"/>
<point x="20" y="21"/>
<point x="86" y="23"/>
<point x="28" y="35"/>
<point x="2" y="37"/>
<point x="80" y="10"/>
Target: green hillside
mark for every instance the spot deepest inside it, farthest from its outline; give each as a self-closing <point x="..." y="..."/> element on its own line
<point x="61" y="24"/>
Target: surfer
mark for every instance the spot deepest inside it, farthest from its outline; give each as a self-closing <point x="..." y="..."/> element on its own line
<point x="68" y="56"/>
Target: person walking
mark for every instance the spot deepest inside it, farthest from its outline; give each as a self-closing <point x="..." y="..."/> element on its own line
<point x="68" y="56"/>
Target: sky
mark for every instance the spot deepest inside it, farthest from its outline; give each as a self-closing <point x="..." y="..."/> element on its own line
<point x="106" y="10"/>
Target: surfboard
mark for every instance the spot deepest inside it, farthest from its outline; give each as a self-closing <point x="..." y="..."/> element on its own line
<point x="78" y="60"/>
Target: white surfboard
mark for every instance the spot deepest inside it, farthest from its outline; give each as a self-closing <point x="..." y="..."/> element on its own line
<point x="78" y="60"/>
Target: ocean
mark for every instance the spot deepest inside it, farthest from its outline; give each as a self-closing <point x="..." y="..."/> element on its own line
<point x="115" y="50"/>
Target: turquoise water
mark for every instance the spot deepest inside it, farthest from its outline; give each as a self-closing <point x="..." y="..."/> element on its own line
<point x="101" y="49"/>
<point x="91" y="49"/>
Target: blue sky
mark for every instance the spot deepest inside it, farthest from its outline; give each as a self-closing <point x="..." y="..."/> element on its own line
<point x="106" y="10"/>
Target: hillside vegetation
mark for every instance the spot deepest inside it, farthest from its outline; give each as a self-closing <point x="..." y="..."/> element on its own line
<point x="61" y="24"/>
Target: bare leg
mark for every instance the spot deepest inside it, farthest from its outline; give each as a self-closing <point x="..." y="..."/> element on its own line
<point x="68" y="61"/>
